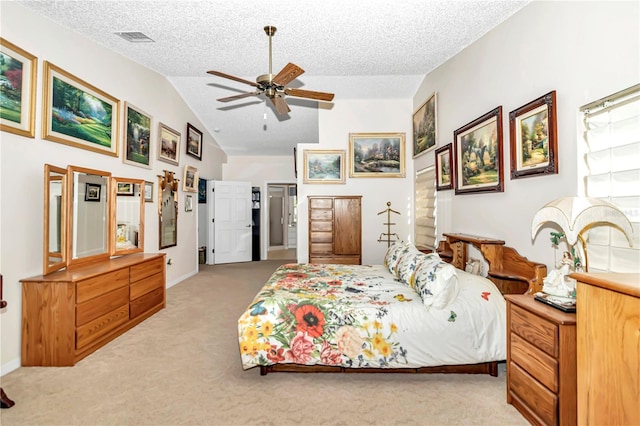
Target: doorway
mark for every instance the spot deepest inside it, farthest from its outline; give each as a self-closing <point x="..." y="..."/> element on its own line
<point x="282" y="221"/>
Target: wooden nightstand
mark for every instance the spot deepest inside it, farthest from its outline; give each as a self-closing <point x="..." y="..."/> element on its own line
<point x="541" y="361"/>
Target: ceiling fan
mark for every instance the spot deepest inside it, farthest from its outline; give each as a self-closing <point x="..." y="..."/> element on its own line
<point x="274" y="86"/>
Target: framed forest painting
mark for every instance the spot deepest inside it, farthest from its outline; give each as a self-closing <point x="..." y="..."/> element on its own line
<point x="18" y="70"/>
<point x="137" y="138"/>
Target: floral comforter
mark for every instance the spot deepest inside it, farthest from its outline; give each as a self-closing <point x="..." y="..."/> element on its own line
<point x="360" y="316"/>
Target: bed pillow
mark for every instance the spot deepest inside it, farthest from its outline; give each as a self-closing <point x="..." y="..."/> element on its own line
<point x="436" y="282"/>
<point x="395" y="254"/>
<point x="409" y="265"/>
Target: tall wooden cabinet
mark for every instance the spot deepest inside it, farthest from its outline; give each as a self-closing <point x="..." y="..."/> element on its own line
<point x="69" y="314"/>
<point x="335" y="229"/>
<point x="608" y="309"/>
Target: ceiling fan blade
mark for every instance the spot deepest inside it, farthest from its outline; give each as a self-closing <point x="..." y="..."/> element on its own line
<point x="280" y="104"/>
<point x="299" y="93"/>
<point x="231" y="77"/>
<point x="287" y="74"/>
<point x="240" y="96"/>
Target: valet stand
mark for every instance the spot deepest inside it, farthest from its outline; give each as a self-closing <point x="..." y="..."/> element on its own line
<point x="5" y="402"/>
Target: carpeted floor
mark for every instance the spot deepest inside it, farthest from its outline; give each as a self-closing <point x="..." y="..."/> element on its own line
<point x="182" y="367"/>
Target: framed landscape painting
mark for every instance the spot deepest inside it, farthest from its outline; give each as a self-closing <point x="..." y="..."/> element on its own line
<point x="323" y="166"/>
<point x="444" y="175"/>
<point x="79" y="114"/>
<point x="168" y="144"/>
<point x="190" y="179"/>
<point x="137" y="138"/>
<point x="376" y="155"/>
<point x="533" y="138"/>
<point x="424" y="127"/>
<point x="18" y="70"/>
<point x="478" y="154"/>
<point x="194" y="142"/>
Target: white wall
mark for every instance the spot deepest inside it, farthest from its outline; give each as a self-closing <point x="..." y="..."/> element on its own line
<point x="22" y="159"/>
<point x="584" y="51"/>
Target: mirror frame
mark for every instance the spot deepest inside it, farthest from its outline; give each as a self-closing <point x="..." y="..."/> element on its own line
<point x="47" y="266"/>
<point x="168" y="181"/>
<point x="113" y="219"/>
<point x="69" y="219"/>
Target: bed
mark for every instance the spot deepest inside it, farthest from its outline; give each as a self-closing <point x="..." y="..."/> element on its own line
<point x="413" y="313"/>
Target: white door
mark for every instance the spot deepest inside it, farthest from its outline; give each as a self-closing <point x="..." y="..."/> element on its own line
<point x="232" y="221"/>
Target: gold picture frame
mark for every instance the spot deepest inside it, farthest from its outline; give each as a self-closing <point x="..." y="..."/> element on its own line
<point x="18" y="110"/>
<point x="425" y="127"/>
<point x="323" y="166"/>
<point x="190" y="179"/>
<point x="379" y="155"/>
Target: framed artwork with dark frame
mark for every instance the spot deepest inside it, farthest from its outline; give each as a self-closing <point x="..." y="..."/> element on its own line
<point x="92" y="192"/>
<point x="444" y="175"/>
<point x="137" y="137"/>
<point x="376" y="155"/>
<point x="168" y="144"/>
<point x="18" y="76"/>
<point x="323" y="166"/>
<point x="534" y="138"/>
<point x="190" y="179"/>
<point x="124" y="188"/>
<point x="425" y="127"/>
<point x="202" y="191"/>
<point x="478" y="155"/>
<point x="194" y="142"/>
<point x="78" y="114"/>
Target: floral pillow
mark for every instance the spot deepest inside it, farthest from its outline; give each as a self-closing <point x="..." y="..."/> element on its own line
<point x="395" y="253"/>
<point x="409" y="265"/>
<point x="436" y="282"/>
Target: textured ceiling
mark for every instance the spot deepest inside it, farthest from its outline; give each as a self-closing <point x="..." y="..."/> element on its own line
<point x="355" y="49"/>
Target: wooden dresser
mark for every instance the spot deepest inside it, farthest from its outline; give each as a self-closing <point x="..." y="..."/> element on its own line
<point x="608" y="309"/>
<point x="69" y="314"/>
<point x="335" y="229"/>
<point x="541" y="361"/>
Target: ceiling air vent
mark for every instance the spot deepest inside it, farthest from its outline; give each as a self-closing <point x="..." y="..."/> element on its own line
<point x="135" y="37"/>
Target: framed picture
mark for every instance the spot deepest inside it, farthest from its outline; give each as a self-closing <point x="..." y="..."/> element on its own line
<point x="188" y="203"/>
<point x="444" y="177"/>
<point x="92" y="192"/>
<point x="148" y="192"/>
<point x="478" y="154"/>
<point x="323" y="166"/>
<point x="190" y="179"/>
<point x="124" y="188"/>
<point x="79" y="114"/>
<point x="168" y="144"/>
<point x="376" y="155"/>
<point x="295" y="162"/>
<point x="202" y="191"/>
<point x="424" y="127"/>
<point x="194" y="142"/>
<point x="18" y="70"/>
<point x="533" y="138"/>
<point x="137" y="137"/>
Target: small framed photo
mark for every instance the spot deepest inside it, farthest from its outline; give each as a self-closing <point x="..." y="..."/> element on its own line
<point x="478" y="154"/>
<point x="137" y="137"/>
<point x="124" y="188"/>
<point x="444" y="177"/>
<point x="424" y="127"/>
<point x="168" y="144"/>
<point x="323" y="166"/>
<point x="202" y="191"/>
<point x="376" y="155"/>
<point x="148" y="192"/>
<point x="533" y="138"/>
<point x="92" y="192"/>
<point x="194" y="142"/>
<point x="18" y="79"/>
<point x="188" y="203"/>
<point x="190" y="179"/>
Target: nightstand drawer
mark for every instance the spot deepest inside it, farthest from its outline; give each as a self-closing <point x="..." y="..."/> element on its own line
<point x="539" y="332"/>
<point x="537" y="398"/>
<point x="535" y="362"/>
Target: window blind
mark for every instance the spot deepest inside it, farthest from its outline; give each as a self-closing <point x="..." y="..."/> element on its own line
<point x="612" y="139"/>
<point x="425" y="208"/>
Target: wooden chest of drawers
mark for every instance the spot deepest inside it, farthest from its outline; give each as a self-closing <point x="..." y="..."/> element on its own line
<point x="335" y="229"/>
<point x="69" y="314"/>
<point x="541" y="361"/>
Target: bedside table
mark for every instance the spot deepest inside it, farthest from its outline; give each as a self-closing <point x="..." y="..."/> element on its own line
<point x="541" y="361"/>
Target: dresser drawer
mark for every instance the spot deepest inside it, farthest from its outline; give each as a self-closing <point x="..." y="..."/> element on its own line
<point x="537" y="363"/>
<point x="321" y="203"/>
<point x="101" y="326"/>
<point x="98" y="306"/>
<point x="96" y="286"/>
<point x="321" y="215"/>
<point x="537" y="397"/>
<point x="321" y="237"/>
<point x="145" y="286"/>
<point x="342" y="260"/>
<point x="321" y="226"/>
<point x="321" y="248"/>
<point x="538" y="331"/>
<point x="146" y="302"/>
<point x="146" y="269"/>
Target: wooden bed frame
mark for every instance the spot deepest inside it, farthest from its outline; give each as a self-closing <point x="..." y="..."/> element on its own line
<point x="508" y="270"/>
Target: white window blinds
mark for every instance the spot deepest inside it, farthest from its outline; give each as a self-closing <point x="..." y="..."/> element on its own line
<point x="425" y="206"/>
<point x="612" y="137"/>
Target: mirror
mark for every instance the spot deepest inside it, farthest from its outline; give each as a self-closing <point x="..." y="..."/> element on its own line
<point x="89" y="215"/>
<point x="128" y="213"/>
<point x="168" y="209"/>
<point x="54" y="256"/>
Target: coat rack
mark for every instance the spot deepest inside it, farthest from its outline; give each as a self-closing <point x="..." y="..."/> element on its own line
<point x="388" y="237"/>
